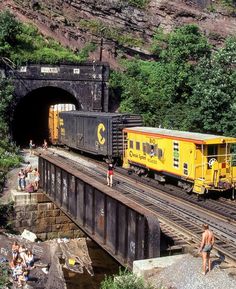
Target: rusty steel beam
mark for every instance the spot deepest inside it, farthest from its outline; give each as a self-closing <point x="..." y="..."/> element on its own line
<point x="119" y="225"/>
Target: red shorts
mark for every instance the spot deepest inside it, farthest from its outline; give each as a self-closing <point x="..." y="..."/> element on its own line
<point x="110" y="173"/>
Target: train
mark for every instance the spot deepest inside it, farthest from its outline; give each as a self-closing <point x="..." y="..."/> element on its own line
<point x="96" y="133"/>
<point x="196" y="162"/>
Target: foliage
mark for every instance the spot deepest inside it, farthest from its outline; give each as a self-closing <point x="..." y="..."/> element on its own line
<point x="138" y="3"/>
<point x="189" y="87"/>
<point x="159" y="90"/>
<point x="9" y="29"/>
<point x="214" y="92"/>
<point x="25" y="44"/>
<point x="8" y="152"/>
<point x="230" y="2"/>
<point x="3" y="275"/>
<point x="6" y="211"/>
<point x="185" y="43"/>
<point x="125" y="280"/>
<point x="230" y="6"/>
<point x="97" y="27"/>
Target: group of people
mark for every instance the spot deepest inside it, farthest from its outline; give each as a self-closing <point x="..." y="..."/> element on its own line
<point x="21" y="264"/>
<point x="28" y="179"/>
<point x="32" y="146"/>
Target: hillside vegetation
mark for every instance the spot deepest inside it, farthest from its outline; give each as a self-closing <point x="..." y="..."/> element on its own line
<point x="23" y="43"/>
<point x="190" y="86"/>
<point x="187" y="86"/>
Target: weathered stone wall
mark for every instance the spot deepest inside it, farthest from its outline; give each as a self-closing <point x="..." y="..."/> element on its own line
<point x="36" y="213"/>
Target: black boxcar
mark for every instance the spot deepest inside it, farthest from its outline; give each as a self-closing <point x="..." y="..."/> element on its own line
<point x="98" y="133"/>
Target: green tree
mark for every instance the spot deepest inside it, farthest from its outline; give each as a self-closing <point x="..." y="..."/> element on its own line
<point x="183" y="44"/>
<point x="159" y="90"/>
<point x="9" y="29"/>
<point x="8" y="152"/>
<point x="213" y="102"/>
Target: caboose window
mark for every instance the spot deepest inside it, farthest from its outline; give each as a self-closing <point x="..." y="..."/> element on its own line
<point x="137" y="146"/>
<point x="131" y="144"/>
<point x="185" y="167"/>
<point x="144" y="148"/>
<point x="212" y="150"/>
<point x="211" y="154"/>
<point x="176" y="154"/>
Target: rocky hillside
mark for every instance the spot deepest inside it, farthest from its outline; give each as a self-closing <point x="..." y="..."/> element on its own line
<point x="125" y="29"/>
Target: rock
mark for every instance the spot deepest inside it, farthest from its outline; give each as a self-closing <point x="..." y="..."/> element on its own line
<point x="61" y="20"/>
<point x="29" y="235"/>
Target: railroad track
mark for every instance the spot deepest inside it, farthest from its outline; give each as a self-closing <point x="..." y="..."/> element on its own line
<point x="182" y="216"/>
<point x="222" y="206"/>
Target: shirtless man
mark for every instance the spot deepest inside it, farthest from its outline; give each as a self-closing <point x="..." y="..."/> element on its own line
<point x="206" y="247"/>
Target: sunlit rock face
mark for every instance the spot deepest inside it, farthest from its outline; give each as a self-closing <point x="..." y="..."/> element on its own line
<point x="126" y="30"/>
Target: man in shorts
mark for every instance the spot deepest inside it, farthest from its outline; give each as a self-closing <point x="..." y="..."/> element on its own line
<point x="206" y="247"/>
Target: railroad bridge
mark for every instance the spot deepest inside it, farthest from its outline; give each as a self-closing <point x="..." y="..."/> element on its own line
<point x="120" y="226"/>
<point x="36" y="87"/>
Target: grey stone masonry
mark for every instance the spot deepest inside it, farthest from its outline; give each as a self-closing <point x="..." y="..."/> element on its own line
<point x="36" y="213"/>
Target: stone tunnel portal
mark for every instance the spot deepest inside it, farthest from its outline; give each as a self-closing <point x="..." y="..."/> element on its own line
<point x="30" y="117"/>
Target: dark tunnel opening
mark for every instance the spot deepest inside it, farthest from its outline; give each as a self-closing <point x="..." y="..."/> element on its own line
<point x="30" y="118"/>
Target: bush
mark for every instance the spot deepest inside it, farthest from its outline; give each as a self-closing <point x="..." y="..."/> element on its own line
<point x="23" y="43"/>
<point x="125" y="280"/>
<point x="4" y="280"/>
<point x="6" y="211"/>
<point x="139" y="3"/>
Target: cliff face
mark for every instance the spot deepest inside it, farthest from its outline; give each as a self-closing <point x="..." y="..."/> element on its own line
<point x="125" y="29"/>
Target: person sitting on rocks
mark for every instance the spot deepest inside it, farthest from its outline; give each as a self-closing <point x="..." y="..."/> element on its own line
<point x="23" y="278"/>
<point x="15" y="250"/>
<point x="30" y="188"/>
<point x="18" y="269"/>
<point x="12" y="266"/>
<point x="22" y="251"/>
<point x="29" y="260"/>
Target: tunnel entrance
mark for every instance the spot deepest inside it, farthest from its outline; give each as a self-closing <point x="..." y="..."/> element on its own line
<point x="30" y="118"/>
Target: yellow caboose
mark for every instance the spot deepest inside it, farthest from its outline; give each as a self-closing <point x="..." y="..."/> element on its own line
<point x="199" y="162"/>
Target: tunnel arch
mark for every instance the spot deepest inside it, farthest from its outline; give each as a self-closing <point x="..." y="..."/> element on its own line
<point x="30" y="116"/>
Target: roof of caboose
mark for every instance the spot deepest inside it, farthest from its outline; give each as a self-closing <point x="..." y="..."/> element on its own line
<point x="198" y="138"/>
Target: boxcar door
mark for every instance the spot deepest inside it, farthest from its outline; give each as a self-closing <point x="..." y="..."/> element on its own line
<point x="80" y="132"/>
<point x="72" y="135"/>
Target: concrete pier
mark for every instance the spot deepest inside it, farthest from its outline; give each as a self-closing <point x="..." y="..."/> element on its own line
<point x="149" y="267"/>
